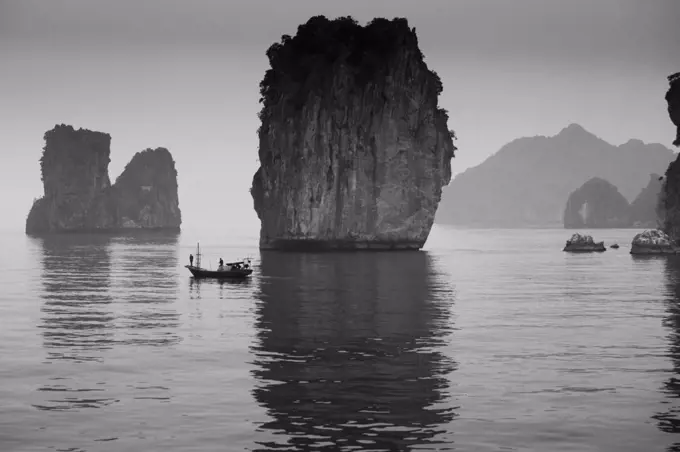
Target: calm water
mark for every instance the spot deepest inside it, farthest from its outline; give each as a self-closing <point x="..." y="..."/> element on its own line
<point x="489" y="340"/>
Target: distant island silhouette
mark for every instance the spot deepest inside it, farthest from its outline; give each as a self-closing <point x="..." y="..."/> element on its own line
<point x="354" y="149"/>
<point x="79" y="197"/>
<point x="528" y="181"/>
<point x="599" y="204"/>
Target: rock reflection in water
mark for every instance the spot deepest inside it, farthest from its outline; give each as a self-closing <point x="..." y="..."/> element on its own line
<point x="348" y="351"/>
<point x="145" y="281"/>
<point x="669" y="420"/>
<point x="101" y="292"/>
<point x="77" y="322"/>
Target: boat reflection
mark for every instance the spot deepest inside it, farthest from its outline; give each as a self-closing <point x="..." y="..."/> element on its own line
<point x="349" y="353"/>
<point x="224" y="287"/>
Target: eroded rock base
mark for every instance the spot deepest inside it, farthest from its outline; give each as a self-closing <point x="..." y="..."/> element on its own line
<point x="649" y="250"/>
<point x="585" y="248"/>
<point x="107" y="231"/>
<point x="338" y="245"/>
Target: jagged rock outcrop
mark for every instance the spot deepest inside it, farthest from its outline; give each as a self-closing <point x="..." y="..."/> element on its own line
<point x="644" y="209"/>
<point x="669" y="203"/>
<point x="596" y="204"/>
<point x="78" y="195"/>
<point x="354" y="150"/>
<point x="581" y="243"/>
<point x="652" y="241"/>
<point x="146" y="191"/>
<point x="74" y="168"/>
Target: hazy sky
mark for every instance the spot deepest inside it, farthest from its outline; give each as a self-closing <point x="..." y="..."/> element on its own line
<point x="185" y="75"/>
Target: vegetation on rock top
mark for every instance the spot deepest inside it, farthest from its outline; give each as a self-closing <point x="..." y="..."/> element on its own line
<point x="307" y="62"/>
<point x="157" y="161"/>
<point x="77" y="143"/>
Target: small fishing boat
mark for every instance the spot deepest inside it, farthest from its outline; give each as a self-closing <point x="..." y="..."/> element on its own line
<point x="238" y="269"/>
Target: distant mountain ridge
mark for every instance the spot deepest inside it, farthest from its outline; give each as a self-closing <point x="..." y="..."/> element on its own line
<point x="527" y="182"/>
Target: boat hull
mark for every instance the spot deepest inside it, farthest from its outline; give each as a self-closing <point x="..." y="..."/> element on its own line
<point x="219" y="274"/>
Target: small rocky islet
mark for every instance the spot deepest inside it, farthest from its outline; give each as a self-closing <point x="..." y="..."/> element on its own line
<point x="581" y="243"/>
<point x="648" y="242"/>
<point x="653" y="241"/>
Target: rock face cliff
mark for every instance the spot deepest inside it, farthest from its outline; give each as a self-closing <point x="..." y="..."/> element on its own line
<point x="669" y="203"/>
<point x="78" y="195"/>
<point x="597" y="204"/>
<point x="146" y="192"/>
<point x="353" y="148"/>
<point x="673" y="99"/>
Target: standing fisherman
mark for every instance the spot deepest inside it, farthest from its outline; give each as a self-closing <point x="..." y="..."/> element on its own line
<point x="191" y="260"/>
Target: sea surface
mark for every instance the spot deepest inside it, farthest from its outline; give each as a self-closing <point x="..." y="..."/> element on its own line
<point x="489" y="340"/>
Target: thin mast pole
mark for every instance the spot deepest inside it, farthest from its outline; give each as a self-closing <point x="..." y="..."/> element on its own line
<point x="198" y="254"/>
